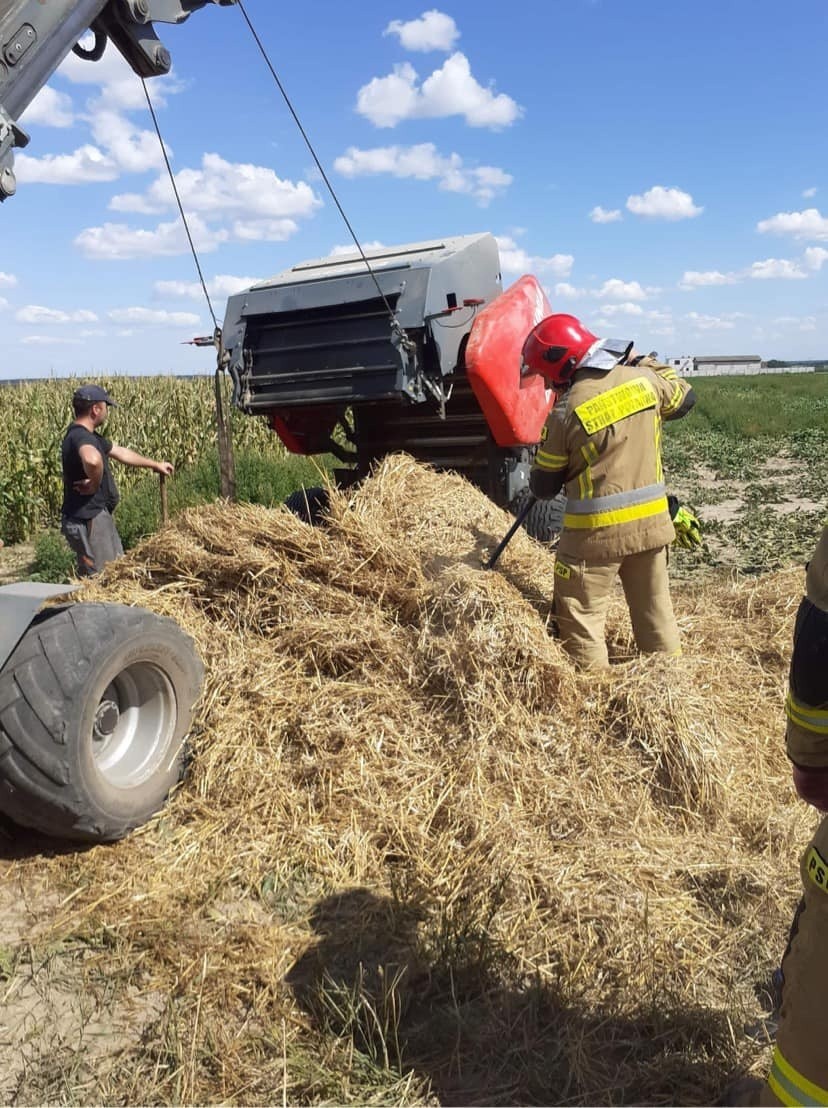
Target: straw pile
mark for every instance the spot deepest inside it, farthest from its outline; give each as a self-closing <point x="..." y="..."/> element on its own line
<point x="417" y="857"/>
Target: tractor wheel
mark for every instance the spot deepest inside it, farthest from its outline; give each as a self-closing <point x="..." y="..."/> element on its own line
<point x="311" y="505"/>
<point x="95" y="705"/>
<point x="545" y="518"/>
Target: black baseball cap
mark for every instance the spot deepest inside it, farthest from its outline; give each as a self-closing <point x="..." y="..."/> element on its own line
<point x="93" y="394"/>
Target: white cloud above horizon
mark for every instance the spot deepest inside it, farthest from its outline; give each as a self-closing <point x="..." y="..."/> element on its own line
<point x="696" y="279"/>
<point x="36" y="313"/>
<point x="151" y="317"/>
<point x="515" y="260"/>
<point x="222" y="285"/>
<point x="451" y="90"/>
<point x="658" y="202"/>
<point x="807" y="224"/>
<point x="425" y="163"/>
<point x="433" y="30"/>
<point x="776" y="268"/>
<point x="50" y="108"/>
<point x="602" y="215"/>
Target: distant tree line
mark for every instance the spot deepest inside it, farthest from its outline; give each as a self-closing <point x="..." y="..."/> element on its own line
<point x="821" y="365"/>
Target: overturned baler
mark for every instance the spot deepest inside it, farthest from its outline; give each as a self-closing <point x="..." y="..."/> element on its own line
<point x="419" y="351"/>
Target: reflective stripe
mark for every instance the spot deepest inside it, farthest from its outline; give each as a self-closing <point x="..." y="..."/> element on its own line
<point x="781" y="1092"/>
<point x="589" y="452"/>
<point x="616" y="404"/>
<point x="551" y="461"/>
<point x="612" y="518"/>
<point x="798" y="1088"/>
<point x="675" y="400"/>
<point x="811" y="719"/>
<point x="659" y="464"/>
<point x="617" y="500"/>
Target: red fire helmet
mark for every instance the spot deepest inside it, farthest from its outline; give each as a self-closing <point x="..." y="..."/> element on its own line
<point x="560" y="344"/>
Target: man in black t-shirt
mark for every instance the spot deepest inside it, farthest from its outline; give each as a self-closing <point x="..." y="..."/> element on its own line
<point x="89" y="490"/>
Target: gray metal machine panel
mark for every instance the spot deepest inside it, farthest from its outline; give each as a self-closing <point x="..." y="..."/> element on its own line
<point x="19" y="604"/>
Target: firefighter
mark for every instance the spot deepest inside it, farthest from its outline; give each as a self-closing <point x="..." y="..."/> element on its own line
<point x="602" y="443"/>
<point x="799" y="1071"/>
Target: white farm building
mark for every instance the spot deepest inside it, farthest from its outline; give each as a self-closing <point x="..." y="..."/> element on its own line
<point x="728" y="365"/>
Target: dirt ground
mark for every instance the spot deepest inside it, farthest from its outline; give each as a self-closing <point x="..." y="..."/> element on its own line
<point x="16" y="562"/>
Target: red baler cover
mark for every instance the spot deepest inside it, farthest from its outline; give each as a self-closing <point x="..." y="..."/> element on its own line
<point x="515" y="406"/>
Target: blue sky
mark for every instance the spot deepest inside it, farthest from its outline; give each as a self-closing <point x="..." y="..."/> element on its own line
<point x="661" y="167"/>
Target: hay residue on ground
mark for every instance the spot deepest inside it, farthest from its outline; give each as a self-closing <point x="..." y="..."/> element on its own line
<point x="417" y="857"/>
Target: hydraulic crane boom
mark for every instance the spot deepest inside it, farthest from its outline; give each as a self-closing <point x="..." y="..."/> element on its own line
<point x="36" y="35"/>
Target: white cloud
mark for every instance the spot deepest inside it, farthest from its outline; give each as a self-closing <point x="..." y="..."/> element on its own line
<point x="221" y="187"/>
<point x="709" y="322"/>
<point x="50" y="108"/>
<point x="815" y="257"/>
<point x="131" y="149"/>
<point x="222" y="285"/>
<point x="118" y="86"/>
<point x="808" y="224"/>
<point x="696" y="279"/>
<point x="3" y="304"/>
<point x="154" y="317"/>
<point x="664" y="203"/>
<point x="7" y="280"/>
<point x="563" y="288"/>
<point x="627" y="308"/>
<point x="424" y="162"/>
<point x="808" y="193"/>
<point x="84" y="165"/>
<point x="258" y="206"/>
<point x="602" y="215"/>
<point x="449" y="90"/>
<point x="616" y="289"/>
<point x="514" y="259"/>
<point x="35" y="313"/>
<point x="660" y="323"/>
<point x="344" y="249"/>
<point x="776" y="268"/>
<point x="801" y="323"/>
<point x="118" y="241"/>
<point x="434" y="30"/>
<point x="50" y="340"/>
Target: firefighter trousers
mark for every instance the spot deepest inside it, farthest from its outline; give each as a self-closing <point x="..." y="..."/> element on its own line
<point x="799" y="1073"/>
<point x="582" y="595"/>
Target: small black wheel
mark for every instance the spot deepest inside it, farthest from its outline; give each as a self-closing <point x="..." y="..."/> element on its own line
<point x="545" y="519"/>
<point x="95" y="705"/>
<point x="311" y="505"/>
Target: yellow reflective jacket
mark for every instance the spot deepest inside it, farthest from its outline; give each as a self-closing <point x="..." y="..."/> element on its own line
<point x="807" y="703"/>
<point x="602" y="442"/>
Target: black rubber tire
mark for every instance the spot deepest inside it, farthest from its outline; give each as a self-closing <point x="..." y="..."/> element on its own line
<point x="72" y="665"/>
<point x="545" y="519"/>
<point x="311" y="505"/>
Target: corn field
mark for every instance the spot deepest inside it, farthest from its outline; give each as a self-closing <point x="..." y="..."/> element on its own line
<point x="163" y="417"/>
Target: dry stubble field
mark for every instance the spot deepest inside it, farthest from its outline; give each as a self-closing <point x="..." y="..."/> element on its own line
<point x="417" y="859"/>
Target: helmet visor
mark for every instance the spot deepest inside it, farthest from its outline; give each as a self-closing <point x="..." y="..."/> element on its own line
<point x="605" y="354"/>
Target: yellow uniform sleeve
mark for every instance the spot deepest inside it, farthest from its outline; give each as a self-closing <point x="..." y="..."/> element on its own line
<point x="675" y="394"/>
<point x="551" y="461"/>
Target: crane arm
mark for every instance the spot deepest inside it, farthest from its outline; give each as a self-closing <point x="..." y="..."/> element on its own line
<point x="36" y="35"/>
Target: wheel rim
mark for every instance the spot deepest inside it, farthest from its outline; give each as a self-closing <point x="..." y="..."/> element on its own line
<point x="134" y="725"/>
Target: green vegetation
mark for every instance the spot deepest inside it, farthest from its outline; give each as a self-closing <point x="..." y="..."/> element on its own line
<point x="752" y="459"/>
<point x="163" y="417"/>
